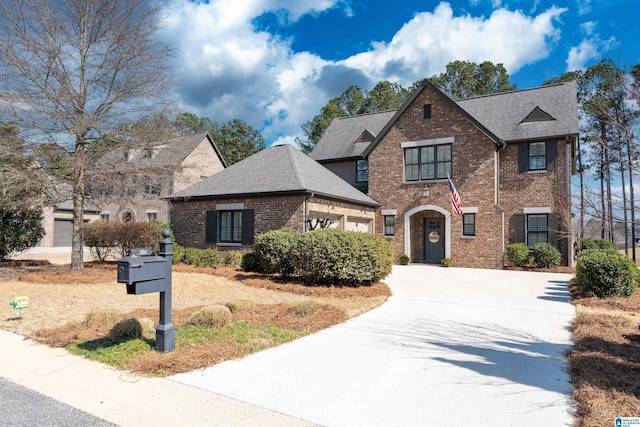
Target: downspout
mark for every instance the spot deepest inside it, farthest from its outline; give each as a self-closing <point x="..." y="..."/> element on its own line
<point x="502" y="146"/>
<point x="569" y="142"/>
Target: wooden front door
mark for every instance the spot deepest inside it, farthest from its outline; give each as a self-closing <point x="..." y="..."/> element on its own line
<point x="434" y="239"/>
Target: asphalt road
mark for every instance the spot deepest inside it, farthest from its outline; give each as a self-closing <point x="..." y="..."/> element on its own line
<point x="22" y="407"/>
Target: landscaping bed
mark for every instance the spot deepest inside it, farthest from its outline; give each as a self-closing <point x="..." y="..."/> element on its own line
<point x="60" y="301"/>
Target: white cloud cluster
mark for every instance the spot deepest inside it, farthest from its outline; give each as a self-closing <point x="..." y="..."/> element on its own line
<point x="591" y="47"/>
<point x="227" y="69"/>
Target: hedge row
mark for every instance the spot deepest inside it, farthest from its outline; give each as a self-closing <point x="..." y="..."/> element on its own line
<point x="325" y="256"/>
<point x="118" y="239"/>
<point x="544" y="255"/>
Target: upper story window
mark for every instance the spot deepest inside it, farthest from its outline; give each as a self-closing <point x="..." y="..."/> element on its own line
<point x="427" y="163"/>
<point x="362" y="171"/>
<point x="537" y="156"/>
<point x="426" y="112"/>
<point x="152" y="188"/>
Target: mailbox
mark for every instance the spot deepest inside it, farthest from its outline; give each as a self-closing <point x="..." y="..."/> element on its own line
<point x="143" y="275"/>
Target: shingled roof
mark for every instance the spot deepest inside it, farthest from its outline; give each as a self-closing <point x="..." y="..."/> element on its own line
<point x="544" y="112"/>
<point x="341" y="139"/>
<point x="277" y="170"/>
<point x="505" y="113"/>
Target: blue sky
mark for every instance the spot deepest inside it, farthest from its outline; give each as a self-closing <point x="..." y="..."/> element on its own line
<point x="275" y="63"/>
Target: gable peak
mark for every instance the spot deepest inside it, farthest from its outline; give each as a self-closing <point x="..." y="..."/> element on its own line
<point x="538" y="115"/>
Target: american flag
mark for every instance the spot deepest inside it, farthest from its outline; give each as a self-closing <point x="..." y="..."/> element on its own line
<point x="455" y="198"/>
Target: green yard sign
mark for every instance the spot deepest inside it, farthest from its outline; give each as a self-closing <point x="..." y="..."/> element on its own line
<point x="19" y="303"/>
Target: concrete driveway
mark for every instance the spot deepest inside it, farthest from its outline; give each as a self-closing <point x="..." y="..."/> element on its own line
<point x="455" y="346"/>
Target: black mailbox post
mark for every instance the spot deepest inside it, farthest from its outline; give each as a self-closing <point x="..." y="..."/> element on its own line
<point x="149" y="274"/>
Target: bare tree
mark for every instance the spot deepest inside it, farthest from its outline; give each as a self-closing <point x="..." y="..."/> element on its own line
<point x="73" y="70"/>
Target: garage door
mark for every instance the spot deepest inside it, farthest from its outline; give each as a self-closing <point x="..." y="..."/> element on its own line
<point x="358" y="224"/>
<point x="62" y="232"/>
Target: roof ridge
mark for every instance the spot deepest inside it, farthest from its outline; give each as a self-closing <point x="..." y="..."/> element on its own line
<point x="511" y="91"/>
<point x="366" y="114"/>
<point x="294" y="165"/>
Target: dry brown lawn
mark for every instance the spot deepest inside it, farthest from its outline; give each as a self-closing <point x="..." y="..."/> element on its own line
<point x="605" y="359"/>
<point x="60" y="300"/>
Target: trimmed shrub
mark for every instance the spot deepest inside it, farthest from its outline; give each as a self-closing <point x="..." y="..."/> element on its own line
<point x="586" y="244"/>
<point x="240" y="305"/>
<point x="249" y="262"/>
<point x="546" y="255"/>
<point x="98" y="237"/>
<point x="303" y="308"/>
<point x="102" y="317"/>
<point x="518" y="254"/>
<point x="19" y="231"/>
<point x="232" y="258"/>
<point x="272" y="251"/>
<point x="164" y="226"/>
<point x="178" y="253"/>
<point x="214" y="316"/>
<point x="208" y="258"/>
<point x="133" y="328"/>
<point x="131" y="235"/>
<point x="605" y="273"/>
<point x="192" y="256"/>
<point x="330" y="256"/>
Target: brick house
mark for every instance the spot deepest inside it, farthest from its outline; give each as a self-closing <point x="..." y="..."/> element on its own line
<point x="274" y="188"/>
<point x="172" y="165"/>
<point x="510" y="156"/>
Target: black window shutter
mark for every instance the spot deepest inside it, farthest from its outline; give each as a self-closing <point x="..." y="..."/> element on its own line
<point x="520" y="230"/>
<point x="247" y="226"/>
<point x="553" y="226"/>
<point x="211" y="227"/>
<point x="523" y="157"/>
<point x="552" y="154"/>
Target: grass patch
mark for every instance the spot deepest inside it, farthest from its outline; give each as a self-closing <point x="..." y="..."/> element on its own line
<point x="113" y="351"/>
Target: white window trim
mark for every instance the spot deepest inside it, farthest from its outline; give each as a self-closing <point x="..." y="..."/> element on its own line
<point x="533" y="211"/>
<point x="230" y="207"/>
<point x="470" y="210"/>
<point x="427" y="142"/>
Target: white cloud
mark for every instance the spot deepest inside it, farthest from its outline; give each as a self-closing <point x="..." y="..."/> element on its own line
<point x="590" y="48"/>
<point x="428" y="42"/>
<point x="227" y="69"/>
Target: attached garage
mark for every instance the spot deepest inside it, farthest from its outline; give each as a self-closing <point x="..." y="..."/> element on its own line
<point x="62" y="232"/>
<point x="362" y="225"/>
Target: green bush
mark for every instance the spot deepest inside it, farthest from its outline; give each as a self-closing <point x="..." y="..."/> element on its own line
<point x="330" y="256"/>
<point x="546" y="255"/>
<point x="164" y="226"/>
<point x="272" y="251"/>
<point x="518" y="254"/>
<point x="19" y="231"/>
<point x="100" y="240"/>
<point x="178" y="253"/>
<point x="192" y="256"/>
<point x="249" y="262"/>
<point x="208" y="258"/>
<point x="605" y="273"/>
<point x="586" y="244"/>
<point x="232" y="258"/>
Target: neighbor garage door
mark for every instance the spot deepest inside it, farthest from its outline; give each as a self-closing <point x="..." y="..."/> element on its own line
<point x="358" y="224"/>
<point x="62" y="231"/>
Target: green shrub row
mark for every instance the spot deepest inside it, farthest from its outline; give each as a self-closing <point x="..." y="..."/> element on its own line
<point x="198" y="257"/>
<point x="586" y="244"/>
<point x="324" y="256"/>
<point x="605" y="273"/>
<point x="544" y="255"/>
<point x="119" y="239"/>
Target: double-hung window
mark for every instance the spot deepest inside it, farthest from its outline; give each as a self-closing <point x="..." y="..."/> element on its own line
<point x="427" y="163"/>
<point x="362" y="171"/>
<point x="230" y="226"/>
<point x="537" y="156"/>
<point x="469" y="224"/>
<point x="537" y="229"/>
<point x="389" y="225"/>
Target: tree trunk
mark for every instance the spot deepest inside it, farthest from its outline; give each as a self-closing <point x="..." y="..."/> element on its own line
<point x="632" y="202"/>
<point x="77" y="239"/>
<point x="581" y="176"/>
<point x="603" y="210"/>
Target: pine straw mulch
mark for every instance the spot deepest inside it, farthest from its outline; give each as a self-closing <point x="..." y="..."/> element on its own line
<point x="62" y="298"/>
<point x="605" y="359"/>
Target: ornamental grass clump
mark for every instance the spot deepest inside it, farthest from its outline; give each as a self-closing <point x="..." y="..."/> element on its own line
<point x="102" y="317"/>
<point x="303" y="308"/>
<point x="213" y="316"/>
<point x="240" y="305"/>
<point x="134" y="327"/>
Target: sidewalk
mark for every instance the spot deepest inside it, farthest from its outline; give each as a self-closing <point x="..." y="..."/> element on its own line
<point x="122" y="398"/>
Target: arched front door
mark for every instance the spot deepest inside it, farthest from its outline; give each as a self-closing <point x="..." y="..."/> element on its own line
<point x="434" y="239"/>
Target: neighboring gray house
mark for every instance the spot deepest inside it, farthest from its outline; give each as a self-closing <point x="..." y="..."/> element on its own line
<point x="274" y="188"/>
<point x="341" y="146"/>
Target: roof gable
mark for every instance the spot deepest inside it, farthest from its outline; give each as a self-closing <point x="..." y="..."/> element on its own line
<point x="537" y="115"/>
<point x="426" y="84"/>
<point x="277" y="169"/>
